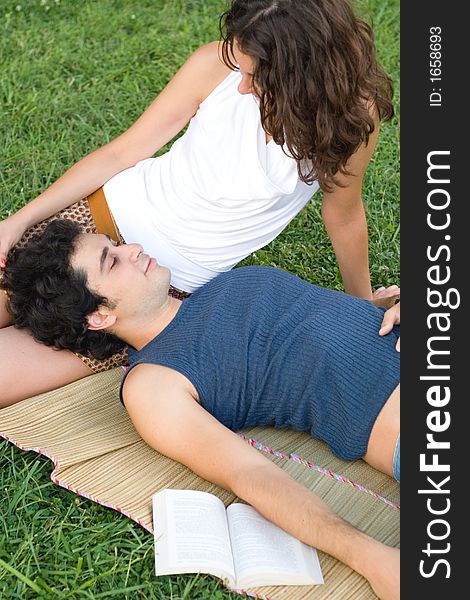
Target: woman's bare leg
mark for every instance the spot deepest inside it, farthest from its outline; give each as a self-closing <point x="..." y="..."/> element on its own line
<point x="5" y="317"/>
<point x="383" y="437"/>
<point x="28" y="368"/>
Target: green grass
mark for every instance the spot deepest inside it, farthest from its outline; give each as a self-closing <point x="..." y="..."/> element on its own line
<point x="75" y="73"/>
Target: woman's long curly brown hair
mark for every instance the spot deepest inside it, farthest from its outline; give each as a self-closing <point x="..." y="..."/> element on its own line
<point x="316" y="76"/>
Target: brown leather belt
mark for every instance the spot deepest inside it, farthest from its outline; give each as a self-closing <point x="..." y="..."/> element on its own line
<point x="102" y="216"/>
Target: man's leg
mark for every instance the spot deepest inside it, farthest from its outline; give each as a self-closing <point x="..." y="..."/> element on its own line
<point x="28" y="368"/>
<point x="384" y="435"/>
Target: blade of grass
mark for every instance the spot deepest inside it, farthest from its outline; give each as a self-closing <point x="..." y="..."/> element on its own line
<point x="21" y="577"/>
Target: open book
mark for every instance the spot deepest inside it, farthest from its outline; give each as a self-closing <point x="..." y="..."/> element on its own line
<point x="195" y="533"/>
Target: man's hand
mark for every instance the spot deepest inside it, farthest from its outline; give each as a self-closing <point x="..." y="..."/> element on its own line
<point x="391" y="318"/>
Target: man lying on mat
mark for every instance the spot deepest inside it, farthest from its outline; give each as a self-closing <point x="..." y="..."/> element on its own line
<point x="254" y="346"/>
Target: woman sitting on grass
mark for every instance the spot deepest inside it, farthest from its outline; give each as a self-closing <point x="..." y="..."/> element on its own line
<point x="289" y="102"/>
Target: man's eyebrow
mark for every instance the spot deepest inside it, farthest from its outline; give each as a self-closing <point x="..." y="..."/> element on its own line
<point x="104" y="254"/>
<point x="105" y="251"/>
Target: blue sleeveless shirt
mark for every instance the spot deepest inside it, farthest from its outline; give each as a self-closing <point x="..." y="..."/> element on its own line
<point x="263" y="347"/>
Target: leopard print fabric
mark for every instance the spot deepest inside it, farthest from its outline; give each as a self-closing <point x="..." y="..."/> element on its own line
<point x="78" y="212"/>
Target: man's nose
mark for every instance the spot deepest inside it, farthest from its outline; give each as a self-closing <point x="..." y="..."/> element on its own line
<point x="133" y="251"/>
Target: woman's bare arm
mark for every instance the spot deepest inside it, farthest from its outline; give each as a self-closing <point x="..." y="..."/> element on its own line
<point x="163" y="119"/>
<point x="345" y="221"/>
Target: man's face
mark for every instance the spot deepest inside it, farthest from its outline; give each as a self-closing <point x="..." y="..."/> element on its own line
<point x="130" y="279"/>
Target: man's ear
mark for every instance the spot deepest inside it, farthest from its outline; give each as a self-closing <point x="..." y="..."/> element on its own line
<point x="100" y="319"/>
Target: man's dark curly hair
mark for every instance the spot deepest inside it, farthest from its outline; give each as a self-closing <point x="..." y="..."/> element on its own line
<point x="50" y="299"/>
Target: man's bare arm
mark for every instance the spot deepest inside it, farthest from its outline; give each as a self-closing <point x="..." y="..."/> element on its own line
<point x="164" y="409"/>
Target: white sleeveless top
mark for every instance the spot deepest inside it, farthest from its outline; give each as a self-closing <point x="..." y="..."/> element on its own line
<point x="219" y="194"/>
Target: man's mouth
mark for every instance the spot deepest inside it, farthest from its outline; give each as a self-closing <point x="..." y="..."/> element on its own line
<point x="150" y="265"/>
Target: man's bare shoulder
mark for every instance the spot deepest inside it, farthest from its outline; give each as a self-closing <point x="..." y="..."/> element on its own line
<point x="167" y="416"/>
<point x="157" y="381"/>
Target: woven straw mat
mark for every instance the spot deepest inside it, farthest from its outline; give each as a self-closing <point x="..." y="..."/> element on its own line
<point x="97" y="454"/>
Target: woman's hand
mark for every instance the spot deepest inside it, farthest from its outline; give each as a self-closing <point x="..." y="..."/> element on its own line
<point x="386" y="296"/>
<point x="10" y="234"/>
<point x="391" y="318"/>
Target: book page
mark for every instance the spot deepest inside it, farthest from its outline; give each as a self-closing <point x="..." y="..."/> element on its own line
<point x="264" y="554"/>
<point x="191" y="534"/>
